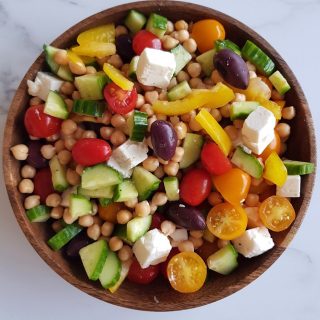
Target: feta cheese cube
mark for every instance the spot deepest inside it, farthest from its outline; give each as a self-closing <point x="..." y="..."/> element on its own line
<point x="291" y="188"/>
<point x="155" y="68"/>
<point x="152" y="248"/>
<point x="258" y="147"/>
<point x="179" y="235"/>
<point x="254" y="242"/>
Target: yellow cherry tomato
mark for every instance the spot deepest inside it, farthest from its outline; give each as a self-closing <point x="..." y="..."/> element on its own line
<point x="275" y="171"/>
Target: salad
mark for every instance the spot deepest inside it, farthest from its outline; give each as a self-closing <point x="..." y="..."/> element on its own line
<point x="157" y="148"/>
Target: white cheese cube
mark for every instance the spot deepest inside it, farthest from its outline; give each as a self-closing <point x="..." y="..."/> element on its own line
<point x="254" y="242"/>
<point x="291" y="188"/>
<point x="152" y="248"/>
<point x="155" y="68"/>
<point x="179" y="235"/>
<point x="258" y="147"/>
<point x="120" y="167"/>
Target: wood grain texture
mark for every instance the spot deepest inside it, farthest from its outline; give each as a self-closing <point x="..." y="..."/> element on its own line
<point x="301" y="146"/>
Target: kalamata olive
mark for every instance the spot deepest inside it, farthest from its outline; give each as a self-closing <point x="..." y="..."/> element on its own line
<point x="232" y="68"/>
<point x="43" y="183"/>
<point x="80" y="241"/>
<point x="164" y="139"/>
<point x="35" y="158"/>
<point x="124" y="47"/>
<point x="186" y="216"/>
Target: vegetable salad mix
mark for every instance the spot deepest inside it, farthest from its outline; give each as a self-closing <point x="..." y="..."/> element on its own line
<point x="157" y="148"/>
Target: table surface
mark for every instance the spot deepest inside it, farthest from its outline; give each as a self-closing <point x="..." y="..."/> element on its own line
<point x="31" y="290"/>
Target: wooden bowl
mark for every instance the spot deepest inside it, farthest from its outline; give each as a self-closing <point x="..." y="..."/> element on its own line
<point x="159" y="296"/>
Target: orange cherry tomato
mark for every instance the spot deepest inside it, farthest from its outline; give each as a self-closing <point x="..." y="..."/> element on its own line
<point x="186" y="272"/>
<point x="274" y="145"/>
<point x="277" y="213"/>
<point x="206" y="32"/>
<point x="233" y="185"/>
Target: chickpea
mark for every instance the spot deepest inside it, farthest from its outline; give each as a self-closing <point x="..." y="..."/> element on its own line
<point x="20" y="151"/>
<point x="27" y="171"/>
<point x="194" y="69"/>
<point x="151" y="163"/>
<point x="53" y="200"/>
<point x="67" y="88"/>
<point x="116" y="61"/>
<point x="168" y="227"/>
<point x="173" y="83"/>
<point x="153" y="208"/>
<point x="48" y="151"/>
<point x="93" y="232"/>
<point x="182" y="35"/>
<point x="239" y="97"/>
<point x="76" y="95"/>
<point x="215" y="198"/>
<point x="72" y="177"/>
<point x="197" y="242"/>
<point x="117" y="138"/>
<point x="186" y="246"/>
<point x="121" y="30"/>
<point x="106" y="118"/>
<point x="31" y="201"/>
<point x="171" y="169"/>
<point x="181" y="130"/>
<point x="124" y="216"/>
<point x="169" y="42"/>
<point x="181" y="25"/>
<point x="162" y="161"/>
<point x="68" y="127"/>
<point x="69" y="142"/>
<point x="140" y="101"/>
<point x="91" y="70"/>
<point x="34" y="101"/>
<point x="159" y="172"/>
<point x="222" y="243"/>
<point x="188" y="116"/>
<point x="69" y="103"/>
<point x="64" y="157"/>
<point x="288" y="113"/>
<point x="67" y="218"/>
<point x="174" y="120"/>
<point x="107" y="228"/>
<point x="238" y="123"/>
<point x="79" y="169"/>
<point x="86" y="221"/>
<point x="125" y="253"/>
<point x="190" y="45"/>
<point x="151" y="96"/>
<point x="26" y="186"/>
<point x="89" y="134"/>
<point x="170" y="27"/>
<point x="163" y="95"/>
<point x="225" y="111"/>
<point x="118" y="120"/>
<point x="148" y="109"/>
<point x="178" y="155"/>
<point x="131" y="203"/>
<point x="142" y="209"/>
<point x="61" y="57"/>
<point x="208" y="82"/>
<point x="56" y="213"/>
<point x="194" y="125"/>
<point x="215" y="77"/>
<point x="231" y="131"/>
<point x="197" y="234"/>
<point x="159" y="199"/>
<point x="59" y="145"/>
<point x="115" y="244"/>
<point x="195" y="83"/>
<point x="53" y="138"/>
<point x="216" y="114"/>
<point x="283" y="130"/>
<point x="161" y="117"/>
<point x="106" y="132"/>
<point x="77" y="68"/>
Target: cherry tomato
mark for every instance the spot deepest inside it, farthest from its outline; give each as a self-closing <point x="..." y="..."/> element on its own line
<point x="226" y="221"/>
<point x="214" y="160"/>
<point x="274" y="145"/>
<point x="40" y="125"/>
<point x="164" y="265"/>
<point x="206" y="32"/>
<point x="277" y="213"/>
<point x="120" y="101"/>
<point x="186" y="272"/>
<point x="195" y="186"/>
<point x="142" y="276"/>
<point x="145" y="39"/>
<point x="43" y="184"/>
<point x="157" y="219"/>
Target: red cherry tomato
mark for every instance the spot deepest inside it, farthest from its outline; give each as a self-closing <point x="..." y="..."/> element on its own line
<point x="90" y="151"/>
<point x="195" y="186"/>
<point x="43" y="184"/>
<point x="145" y="39"/>
<point x="142" y="276"/>
<point x="157" y="219"/>
<point x="214" y="160"/>
<point x="120" y="101"/>
<point x="163" y="265"/>
<point x="40" y="125"/>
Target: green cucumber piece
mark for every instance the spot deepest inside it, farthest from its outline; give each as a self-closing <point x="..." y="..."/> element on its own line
<point x="137" y="227"/>
<point x="61" y="238"/>
<point x="227" y="44"/>
<point x="171" y="185"/>
<point x="138" y="125"/>
<point x="93" y="257"/>
<point x="298" y="167"/>
<point x="223" y="261"/>
<point x="55" y="106"/>
<point x="89" y="107"/>
<point x="157" y="25"/>
<point x="125" y="267"/>
<point x="279" y="82"/>
<point x="105" y="201"/>
<point x="79" y="205"/>
<point x="257" y="57"/>
<point x="135" y="21"/>
<point x="40" y="213"/>
<point x="58" y="173"/>
<point x="133" y="68"/>
<point x="111" y="271"/>
<point x="106" y="192"/>
<point x="121" y="232"/>
<point x="99" y="176"/>
<point x="125" y="191"/>
<point x="182" y="57"/>
<point x="206" y="61"/>
<point x="145" y="182"/>
<point x="192" y="146"/>
<point x="65" y="73"/>
<point x="241" y="110"/>
<point x="179" y="91"/>
<point x="247" y="162"/>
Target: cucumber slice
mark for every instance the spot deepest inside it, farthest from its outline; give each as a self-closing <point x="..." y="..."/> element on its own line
<point x="106" y="192"/>
<point x="224" y="261"/>
<point x="192" y="146"/>
<point x="93" y="257"/>
<point x="227" y="44"/>
<point x="138" y="125"/>
<point x="61" y="238"/>
<point x="182" y="57"/>
<point x="99" y="176"/>
<point x="58" y="173"/>
<point x="121" y="232"/>
<point x="125" y="267"/>
<point x="135" y="21"/>
<point x="89" y="107"/>
<point x="171" y="185"/>
<point x="247" y="162"/>
<point x="137" y="227"/>
<point x="111" y="271"/>
<point x="157" y="25"/>
<point x="179" y="91"/>
<point x="65" y="73"/>
<point x="257" y="57"/>
<point x="133" y="68"/>
<point x="298" y="167"/>
<point x="206" y="61"/>
<point x="79" y="205"/>
<point x="279" y="82"/>
<point x="125" y="191"/>
<point x="241" y="110"/>
<point x="145" y="182"/>
<point x="40" y="213"/>
<point x="105" y="201"/>
<point x="55" y="106"/>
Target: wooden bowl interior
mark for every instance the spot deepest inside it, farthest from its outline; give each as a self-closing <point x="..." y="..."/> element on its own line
<point x="158" y="296"/>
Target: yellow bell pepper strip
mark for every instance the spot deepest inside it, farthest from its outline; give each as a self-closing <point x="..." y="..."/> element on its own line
<point x="116" y="76"/>
<point x="214" y="130"/>
<point x="271" y="106"/>
<point x="74" y="58"/>
<point x="95" y="49"/>
<point x="104" y="33"/>
<point x="275" y="171"/>
<point x="216" y="97"/>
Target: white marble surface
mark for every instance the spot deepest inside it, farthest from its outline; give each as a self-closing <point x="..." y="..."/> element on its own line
<point x="31" y="290"/>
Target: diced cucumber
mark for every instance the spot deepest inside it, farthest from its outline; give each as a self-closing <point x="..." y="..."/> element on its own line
<point x="105" y="201"/>
<point x="279" y="82"/>
<point x="58" y="173"/>
<point x="121" y="232"/>
<point x="40" y="213"/>
<point x="106" y="192"/>
<point x="223" y="261"/>
<point x="298" y="167"/>
<point x="182" y="57"/>
<point x="125" y="191"/>
<point x="135" y="21"/>
<point x="111" y="271"/>
<point x="93" y="257"/>
<point x="179" y="91"/>
<point x="192" y="146"/>
<point x="227" y="44"/>
<point x="89" y="107"/>
<point x="79" y="206"/>
<point x="99" y="176"/>
<point x="133" y="68"/>
<point x="61" y="238"/>
<point x="137" y="227"/>
<point x="247" y="162"/>
<point x="55" y="106"/>
<point x="138" y="125"/>
<point x="206" y="61"/>
<point x="125" y="267"/>
<point x="145" y="182"/>
<point x="157" y="24"/>
<point x="65" y="73"/>
<point x="241" y="110"/>
<point x="171" y="185"/>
